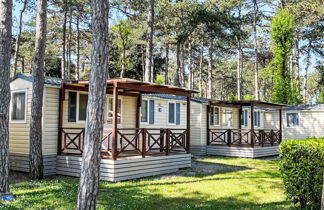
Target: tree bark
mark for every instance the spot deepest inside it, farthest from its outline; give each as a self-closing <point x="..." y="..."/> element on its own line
<point x="5" y="48"/>
<point x="176" y="77"/>
<point x="69" y="43"/>
<point x="306" y="71"/>
<point x="90" y="168"/>
<point x="182" y="64"/>
<point x="297" y="60"/>
<point x="78" y="47"/>
<point x="239" y="72"/>
<point x="166" y="74"/>
<point x="35" y="132"/>
<point x="149" y="42"/>
<point x="63" y="61"/>
<point x="200" y="69"/>
<point x="256" y="69"/>
<point x="210" y="70"/>
<point x="322" y="203"/>
<point x="16" y="55"/>
<point x="190" y="78"/>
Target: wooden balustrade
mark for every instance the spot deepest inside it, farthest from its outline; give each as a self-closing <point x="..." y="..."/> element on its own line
<point x="244" y="137"/>
<point x="130" y="141"/>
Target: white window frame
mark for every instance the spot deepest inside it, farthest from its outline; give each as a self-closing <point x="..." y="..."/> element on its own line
<point x="78" y="105"/>
<point x="255" y="120"/>
<point x="218" y="116"/>
<point x="175" y="112"/>
<point x="224" y="113"/>
<point x="286" y="120"/>
<point x="247" y="116"/>
<point x="10" y="107"/>
<point x="148" y="112"/>
<point x="121" y="108"/>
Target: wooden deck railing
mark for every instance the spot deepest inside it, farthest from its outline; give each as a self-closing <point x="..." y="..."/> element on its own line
<point x="244" y="137"/>
<point x="130" y="141"/>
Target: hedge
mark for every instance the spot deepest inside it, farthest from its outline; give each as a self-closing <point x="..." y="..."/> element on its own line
<point x="301" y="164"/>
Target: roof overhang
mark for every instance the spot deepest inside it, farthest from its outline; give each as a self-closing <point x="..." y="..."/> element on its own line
<point x="132" y="87"/>
<point x="240" y="103"/>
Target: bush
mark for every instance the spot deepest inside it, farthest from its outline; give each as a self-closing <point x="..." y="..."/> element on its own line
<point x="302" y="167"/>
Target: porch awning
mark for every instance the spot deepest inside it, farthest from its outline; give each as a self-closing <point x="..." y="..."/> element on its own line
<point x="240" y="103"/>
<point x="131" y="87"/>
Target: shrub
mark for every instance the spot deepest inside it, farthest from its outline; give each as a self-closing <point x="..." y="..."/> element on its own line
<point x="302" y="166"/>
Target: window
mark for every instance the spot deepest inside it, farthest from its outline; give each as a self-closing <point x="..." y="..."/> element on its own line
<point x="147" y="111"/>
<point x="214" y="116"/>
<point x="174" y="113"/>
<point x="83" y="103"/>
<point x="228" y="118"/>
<point x="292" y="120"/>
<point x="18" y="106"/>
<point x="144" y="111"/>
<point x="110" y="111"/>
<point x="72" y="106"/>
<point x="256" y="119"/>
<point x="244" y="118"/>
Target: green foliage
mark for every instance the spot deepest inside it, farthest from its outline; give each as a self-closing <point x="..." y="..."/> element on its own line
<point x="159" y="79"/>
<point x="284" y="88"/>
<point x="302" y="167"/>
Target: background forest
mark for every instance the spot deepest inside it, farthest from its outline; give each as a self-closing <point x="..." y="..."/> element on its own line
<point x="227" y="49"/>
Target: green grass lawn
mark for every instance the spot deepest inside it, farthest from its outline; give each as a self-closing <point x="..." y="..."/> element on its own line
<point x="237" y="184"/>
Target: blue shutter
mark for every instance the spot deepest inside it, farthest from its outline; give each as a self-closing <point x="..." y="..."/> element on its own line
<point x="178" y="114"/>
<point x="151" y="112"/>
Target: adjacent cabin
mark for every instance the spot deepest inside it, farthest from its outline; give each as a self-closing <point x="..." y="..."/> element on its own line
<point x="129" y="148"/>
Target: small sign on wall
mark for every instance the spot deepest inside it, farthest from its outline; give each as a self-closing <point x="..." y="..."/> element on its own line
<point x="159" y="109"/>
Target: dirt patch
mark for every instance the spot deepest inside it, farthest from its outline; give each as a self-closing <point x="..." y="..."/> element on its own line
<point x="16" y="177"/>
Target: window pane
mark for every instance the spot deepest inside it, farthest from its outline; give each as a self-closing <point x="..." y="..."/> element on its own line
<point x="110" y="111"/>
<point x="72" y="107"/>
<point x="83" y="102"/>
<point x="212" y="116"/>
<point x="292" y="119"/>
<point x="171" y="112"/>
<point x="216" y="116"/>
<point x="18" y="106"/>
<point x="144" y="108"/>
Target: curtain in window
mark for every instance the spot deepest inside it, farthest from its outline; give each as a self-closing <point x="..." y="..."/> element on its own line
<point x="18" y="106"/>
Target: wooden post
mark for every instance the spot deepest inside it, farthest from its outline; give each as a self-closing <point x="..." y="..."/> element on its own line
<point x="167" y="141"/>
<point x="240" y="124"/>
<point x="280" y="125"/>
<point x="229" y="137"/>
<point x="114" y="122"/>
<point x="271" y="137"/>
<point x="137" y="120"/>
<point x="60" y="120"/>
<point x="207" y="117"/>
<point x="162" y="133"/>
<point x="143" y="142"/>
<point x="252" y="125"/>
<point x="188" y="126"/>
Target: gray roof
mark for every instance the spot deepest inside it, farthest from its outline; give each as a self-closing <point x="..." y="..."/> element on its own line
<point x="305" y="107"/>
<point x="48" y="80"/>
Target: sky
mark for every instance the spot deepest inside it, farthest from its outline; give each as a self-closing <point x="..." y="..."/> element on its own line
<point x="114" y="18"/>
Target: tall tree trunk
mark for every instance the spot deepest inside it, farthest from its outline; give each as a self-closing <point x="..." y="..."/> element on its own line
<point x="16" y="55"/>
<point x="256" y="69"/>
<point x="322" y="203"/>
<point x="5" y="48"/>
<point x="143" y="60"/>
<point x="90" y="168"/>
<point x="35" y="132"/>
<point x="201" y="68"/>
<point x="190" y="78"/>
<point x="78" y="47"/>
<point x="122" y="73"/>
<point x="239" y="71"/>
<point x="182" y="63"/>
<point x="149" y="42"/>
<point x="297" y="60"/>
<point x="210" y="70"/>
<point x="176" y="77"/>
<point x="306" y="71"/>
<point x="69" y="43"/>
<point x="166" y="75"/>
<point x="63" y="61"/>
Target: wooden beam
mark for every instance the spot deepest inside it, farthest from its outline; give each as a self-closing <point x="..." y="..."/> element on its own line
<point x="138" y="111"/>
<point x="252" y="125"/>
<point x="60" y="120"/>
<point x="114" y="123"/>
<point x="240" y="124"/>
<point x="143" y="89"/>
<point x="280" y="125"/>
<point x="188" y="125"/>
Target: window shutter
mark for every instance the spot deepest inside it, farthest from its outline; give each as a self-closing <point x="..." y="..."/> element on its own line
<point x="151" y="112"/>
<point x="178" y="113"/>
<point x="72" y="107"/>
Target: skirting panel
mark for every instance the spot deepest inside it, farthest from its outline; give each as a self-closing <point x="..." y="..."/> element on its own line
<point x="20" y="162"/>
<point x="242" y="151"/>
<point x="199" y="150"/>
<point x="126" y="169"/>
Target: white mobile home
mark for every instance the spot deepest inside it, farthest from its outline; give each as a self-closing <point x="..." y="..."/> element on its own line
<point x="128" y="150"/>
